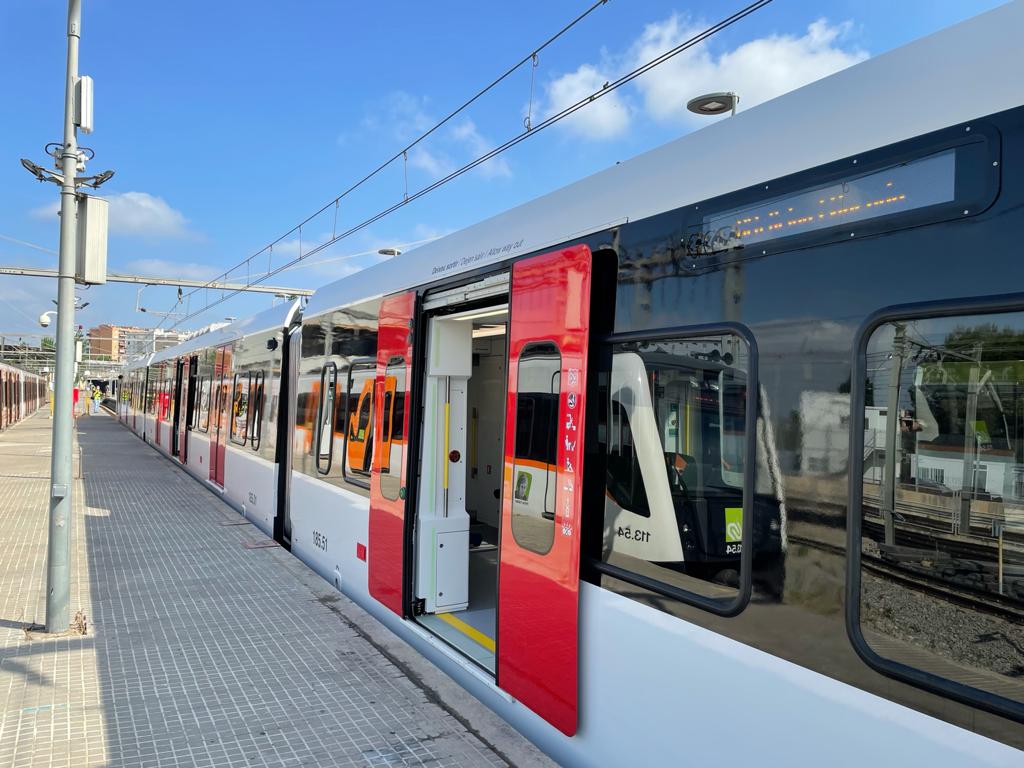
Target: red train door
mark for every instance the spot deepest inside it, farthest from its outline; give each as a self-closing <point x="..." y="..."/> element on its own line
<point x="158" y="411"/>
<point x="538" y="582"/>
<point x="388" y="476"/>
<point x="221" y="412"/>
<point x="176" y="410"/>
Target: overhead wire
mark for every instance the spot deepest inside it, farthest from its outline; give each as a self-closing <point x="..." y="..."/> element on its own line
<point x="404" y="152"/>
<point x="546" y="123"/>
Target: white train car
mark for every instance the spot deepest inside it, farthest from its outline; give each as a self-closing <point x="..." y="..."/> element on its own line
<point x="21" y="394"/>
<point x="211" y="403"/>
<point x="559" y="452"/>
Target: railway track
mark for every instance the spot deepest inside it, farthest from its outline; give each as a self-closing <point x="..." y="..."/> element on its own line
<point x="975" y="599"/>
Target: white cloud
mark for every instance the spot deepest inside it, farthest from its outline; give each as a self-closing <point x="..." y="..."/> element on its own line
<point x="467" y="134"/>
<point x="402" y="113"/>
<point x="757" y="70"/>
<point x="605" y="118"/>
<point x="136" y="213"/>
<point x="434" y="165"/>
<point x="50" y="210"/>
<point x="408" y="117"/>
<point x="139" y="213"/>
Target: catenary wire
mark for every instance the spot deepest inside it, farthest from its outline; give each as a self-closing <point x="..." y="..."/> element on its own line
<point x="530" y="57"/>
<point x="549" y="121"/>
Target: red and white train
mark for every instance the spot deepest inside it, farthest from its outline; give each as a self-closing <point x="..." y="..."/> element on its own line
<point x="21" y="394"/>
<point x="605" y="457"/>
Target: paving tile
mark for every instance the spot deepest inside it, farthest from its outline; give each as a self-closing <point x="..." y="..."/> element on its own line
<point x="199" y="652"/>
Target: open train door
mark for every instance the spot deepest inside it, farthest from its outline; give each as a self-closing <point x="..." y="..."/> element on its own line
<point x="388" y="482"/>
<point x="177" y="438"/>
<point x="221" y="408"/>
<point x="190" y="404"/>
<point x="538" y="582"/>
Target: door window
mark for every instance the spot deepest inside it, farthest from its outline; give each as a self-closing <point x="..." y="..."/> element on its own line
<point x="256" y="411"/>
<point x="324" y="443"/>
<point x="392" y="441"/>
<point x="359" y="429"/>
<point x="238" y="430"/>
<point x="535" y="468"/>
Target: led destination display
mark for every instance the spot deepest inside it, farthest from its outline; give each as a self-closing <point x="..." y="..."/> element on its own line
<point x="906" y="187"/>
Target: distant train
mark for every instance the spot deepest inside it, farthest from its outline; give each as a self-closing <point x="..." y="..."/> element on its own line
<point x="21" y="394"/>
<point x="647" y="464"/>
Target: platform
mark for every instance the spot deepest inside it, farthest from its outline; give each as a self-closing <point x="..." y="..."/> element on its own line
<point x="201" y="650"/>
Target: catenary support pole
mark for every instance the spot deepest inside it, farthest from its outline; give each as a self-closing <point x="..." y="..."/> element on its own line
<point x="58" y="574"/>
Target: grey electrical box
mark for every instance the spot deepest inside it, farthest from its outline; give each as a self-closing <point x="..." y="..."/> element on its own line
<point x="83" y="103"/>
<point x="91" y="258"/>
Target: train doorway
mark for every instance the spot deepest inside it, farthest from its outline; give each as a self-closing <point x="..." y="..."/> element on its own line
<point x="221" y="413"/>
<point x="176" y="402"/>
<point x="496" y="532"/>
<point x="458" y="514"/>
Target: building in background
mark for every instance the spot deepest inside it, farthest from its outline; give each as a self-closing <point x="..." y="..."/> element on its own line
<point x="119" y="343"/>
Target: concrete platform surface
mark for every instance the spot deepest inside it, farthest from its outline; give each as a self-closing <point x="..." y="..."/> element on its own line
<point x="199" y="651"/>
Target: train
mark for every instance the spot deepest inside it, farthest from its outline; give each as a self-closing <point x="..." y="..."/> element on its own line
<point x="21" y="394"/>
<point x="647" y="463"/>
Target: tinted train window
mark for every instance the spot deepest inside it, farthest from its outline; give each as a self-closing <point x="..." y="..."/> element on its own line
<point x="324" y="447"/>
<point x="941" y="501"/>
<point x="359" y="429"/>
<point x="676" y="445"/>
<point x="256" y="409"/>
<point x="197" y="403"/>
<point x="205" y="385"/>
<point x="392" y="442"/>
<point x="534" y="470"/>
<point x="239" y="425"/>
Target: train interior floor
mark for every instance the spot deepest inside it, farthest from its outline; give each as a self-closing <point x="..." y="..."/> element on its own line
<point x="472" y="630"/>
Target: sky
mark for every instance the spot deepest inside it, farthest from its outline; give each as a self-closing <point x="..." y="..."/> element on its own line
<point x="228" y="123"/>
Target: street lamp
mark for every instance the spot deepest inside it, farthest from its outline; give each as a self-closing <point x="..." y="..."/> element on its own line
<point x="714" y="103"/>
<point x="389" y="252"/>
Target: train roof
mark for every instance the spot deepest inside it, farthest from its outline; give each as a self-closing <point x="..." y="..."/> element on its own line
<point x="957" y="74"/>
<point x="10" y="367"/>
<point x="275" y="318"/>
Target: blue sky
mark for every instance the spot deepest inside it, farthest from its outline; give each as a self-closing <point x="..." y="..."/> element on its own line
<point x="229" y="122"/>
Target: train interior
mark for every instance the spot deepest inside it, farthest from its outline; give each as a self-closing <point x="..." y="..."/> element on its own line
<point x="459" y="507"/>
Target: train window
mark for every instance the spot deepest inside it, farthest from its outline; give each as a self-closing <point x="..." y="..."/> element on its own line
<point x="535" y="465"/>
<point x="357" y="425"/>
<point x="392" y="442"/>
<point x="324" y="445"/>
<point x="256" y="409"/>
<point x="937" y="505"/>
<point x="314" y="340"/>
<point x="205" y="387"/>
<point x="238" y="429"/>
<point x="678" y="467"/>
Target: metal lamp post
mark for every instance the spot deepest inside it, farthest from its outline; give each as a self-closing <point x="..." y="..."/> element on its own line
<point x="82" y="258"/>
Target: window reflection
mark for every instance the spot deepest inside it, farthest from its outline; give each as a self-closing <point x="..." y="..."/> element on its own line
<point x="392" y="437"/>
<point x="942" y="577"/>
<point x="325" y="418"/>
<point x="676" y="437"/>
<point x="535" y="469"/>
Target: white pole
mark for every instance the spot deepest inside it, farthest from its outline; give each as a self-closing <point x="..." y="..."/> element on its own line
<point x="58" y="552"/>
